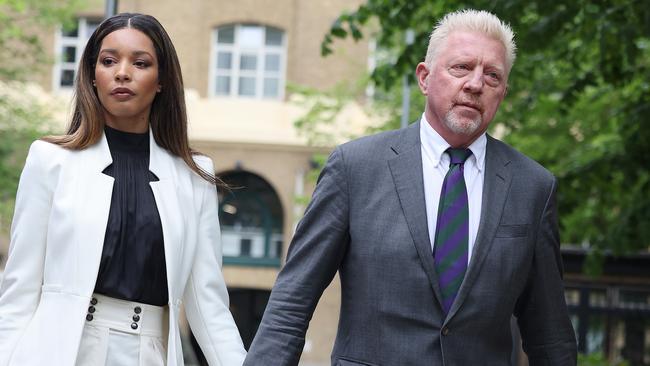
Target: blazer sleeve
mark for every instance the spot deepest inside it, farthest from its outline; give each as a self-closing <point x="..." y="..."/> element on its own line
<point x="23" y="275"/>
<point x="206" y="297"/>
<point x="314" y="256"/>
<point x="547" y="334"/>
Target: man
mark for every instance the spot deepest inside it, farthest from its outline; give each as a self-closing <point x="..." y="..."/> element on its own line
<point x="439" y="232"/>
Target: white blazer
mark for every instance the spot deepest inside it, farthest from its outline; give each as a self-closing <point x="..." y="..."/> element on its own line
<point x="57" y="238"/>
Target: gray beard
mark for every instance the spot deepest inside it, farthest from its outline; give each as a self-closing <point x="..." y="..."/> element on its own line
<point x="462" y="127"/>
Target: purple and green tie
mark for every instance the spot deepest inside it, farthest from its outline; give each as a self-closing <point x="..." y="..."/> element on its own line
<point x="452" y="229"/>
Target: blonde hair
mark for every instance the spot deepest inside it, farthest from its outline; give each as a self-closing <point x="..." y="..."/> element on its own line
<point x="473" y="21"/>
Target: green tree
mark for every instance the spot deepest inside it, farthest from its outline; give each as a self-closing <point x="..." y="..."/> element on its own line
<point x="21" y="122"/>
<point x="22" y="119"/>
<point x="579" y="96"/>
<point x="20" y="23"/>
<point x="597" y="359"/>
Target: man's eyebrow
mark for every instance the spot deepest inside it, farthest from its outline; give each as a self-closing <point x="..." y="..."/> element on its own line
<point x="495" y="68"/>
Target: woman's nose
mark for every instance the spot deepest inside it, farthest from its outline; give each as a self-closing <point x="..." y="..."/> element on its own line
<point x="122" y="72"/>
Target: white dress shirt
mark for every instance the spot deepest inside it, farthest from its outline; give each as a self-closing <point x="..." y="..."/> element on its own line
<point x="435" y="164"/>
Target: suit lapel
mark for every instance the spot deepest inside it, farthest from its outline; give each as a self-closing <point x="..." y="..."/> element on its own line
<point x="165" y="194"/>
<point x="496" y="184"/>
<point x="406" y="169"/>
<point x="93" y="202"/>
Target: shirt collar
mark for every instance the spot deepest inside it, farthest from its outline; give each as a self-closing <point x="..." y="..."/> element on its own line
<point x="434" y="145"/>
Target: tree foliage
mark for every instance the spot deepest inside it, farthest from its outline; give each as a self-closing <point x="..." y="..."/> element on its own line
<point x="20" y="23"/>
<point x="22" y="119"/>
<point x="579" y="98"/>
<point x="21" y="122"/>
<point x="597" y="359"/>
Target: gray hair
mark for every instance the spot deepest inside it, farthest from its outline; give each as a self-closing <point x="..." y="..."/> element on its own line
<point x="473" y="21"/>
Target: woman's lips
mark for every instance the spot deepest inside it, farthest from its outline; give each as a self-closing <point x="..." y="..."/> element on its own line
<point x="122" y="94"/>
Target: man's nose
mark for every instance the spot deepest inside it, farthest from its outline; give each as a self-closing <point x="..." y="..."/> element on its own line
<point x="475" y="82"/>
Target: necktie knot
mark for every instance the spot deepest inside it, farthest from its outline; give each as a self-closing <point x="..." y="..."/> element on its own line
<point x="458" y="156"/>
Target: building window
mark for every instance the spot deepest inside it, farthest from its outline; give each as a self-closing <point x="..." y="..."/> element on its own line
<point x="251" y="220"/>
<point x="248" y="61"/>
<point x="70" y="44"/>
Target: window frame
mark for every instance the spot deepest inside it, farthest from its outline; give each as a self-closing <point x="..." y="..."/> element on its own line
<point x="235" y="72"/>
<point x="78" y="43"/>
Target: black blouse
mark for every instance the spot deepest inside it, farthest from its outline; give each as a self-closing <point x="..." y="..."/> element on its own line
<point x="133" y="260"/>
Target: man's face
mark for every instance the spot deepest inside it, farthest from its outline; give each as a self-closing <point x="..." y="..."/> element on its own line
<point x="464" y="86"/>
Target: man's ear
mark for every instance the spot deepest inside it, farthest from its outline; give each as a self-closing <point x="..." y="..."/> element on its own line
<point x="422" y="71"/>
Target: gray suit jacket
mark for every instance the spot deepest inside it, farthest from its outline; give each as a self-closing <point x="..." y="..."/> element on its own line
<point x="367" y="220"/>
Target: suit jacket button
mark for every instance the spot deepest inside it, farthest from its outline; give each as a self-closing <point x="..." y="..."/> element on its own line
<point x="136" y="317"/>
<point x="137" y="310"/>
<point x="89" y="317"/>
<point x="91" y="309"/>
<point x="93" y="301"/>
<point x="445" y="331"/>
<point x="134" y="325"/>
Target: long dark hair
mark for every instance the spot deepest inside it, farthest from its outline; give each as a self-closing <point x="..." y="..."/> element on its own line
<point x="168" y="117"/>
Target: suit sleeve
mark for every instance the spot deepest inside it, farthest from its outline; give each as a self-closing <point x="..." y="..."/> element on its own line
<point x="314" y="256"/>
<point x="23" y="275"/>
<point x="547" y="334"/>
<point x="206" y="297"/>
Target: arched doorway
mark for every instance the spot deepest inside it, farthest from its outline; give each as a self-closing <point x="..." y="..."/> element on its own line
<point x="252" y="221"/>
<point x="251" y="218"/>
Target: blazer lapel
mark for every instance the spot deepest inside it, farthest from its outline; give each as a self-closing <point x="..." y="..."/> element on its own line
<point x="496" y="184"/>
<point x="406" y="169"/>
<point x="164" y="190"/>
<point x="93" y="202"/>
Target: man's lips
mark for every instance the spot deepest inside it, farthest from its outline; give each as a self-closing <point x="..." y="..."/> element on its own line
<point x="468" y="105"/>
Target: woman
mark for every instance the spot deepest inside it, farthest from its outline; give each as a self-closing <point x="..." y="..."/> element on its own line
<point x="116" y="224"/>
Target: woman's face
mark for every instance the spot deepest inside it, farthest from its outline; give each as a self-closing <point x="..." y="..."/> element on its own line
<point x="126" y="79"/>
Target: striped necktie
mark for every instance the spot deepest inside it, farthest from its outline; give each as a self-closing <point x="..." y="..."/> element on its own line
<point x="452" y="229"/>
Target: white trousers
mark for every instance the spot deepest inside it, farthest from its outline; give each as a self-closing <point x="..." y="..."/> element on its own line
<point x="123" y="333"/>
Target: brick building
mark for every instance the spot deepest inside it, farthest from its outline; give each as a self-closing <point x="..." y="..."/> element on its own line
<point x="238" y="60"/>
